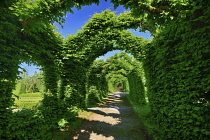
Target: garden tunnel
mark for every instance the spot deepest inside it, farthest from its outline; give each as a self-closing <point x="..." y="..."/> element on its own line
<point x="176" y="65"/>
<point x="82" y="49"/>
<point x="63" y="61"/>
<point x="89" y="52"/>
<point x="113" y="75"/>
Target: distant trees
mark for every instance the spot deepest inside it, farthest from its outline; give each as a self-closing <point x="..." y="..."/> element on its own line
<point x="30" y="84"/>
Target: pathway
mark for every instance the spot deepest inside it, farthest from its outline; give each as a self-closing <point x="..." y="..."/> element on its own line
<point x="115" y="120"/>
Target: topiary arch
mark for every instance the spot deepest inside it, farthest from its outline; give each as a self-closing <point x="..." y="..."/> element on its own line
<point x="176" y="62"/>
<point x="98" y="37"/>
<point x="65" y="64"/>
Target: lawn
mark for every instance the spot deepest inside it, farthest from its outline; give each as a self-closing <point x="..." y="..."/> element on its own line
<point x="28" y="100"/>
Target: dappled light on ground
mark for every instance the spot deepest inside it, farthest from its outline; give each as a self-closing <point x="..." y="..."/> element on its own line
<point x="106" y="118"/>
<point x="94" y="136"/>
<point x="115" y="120"/>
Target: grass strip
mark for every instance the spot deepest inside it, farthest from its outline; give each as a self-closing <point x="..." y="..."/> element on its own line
<point x="144" y="114"/>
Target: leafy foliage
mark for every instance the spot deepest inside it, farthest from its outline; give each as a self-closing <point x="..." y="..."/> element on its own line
<point x="9" y="60"/>
<point x="176" y="63"/>
<point x="136" y="85"/>
<point x="117" y="68"/>
<point x="176" y="69"/>
<point x="97" y="85"/>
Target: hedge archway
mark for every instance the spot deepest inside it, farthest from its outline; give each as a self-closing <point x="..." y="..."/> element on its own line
<point x="180" y="85"/>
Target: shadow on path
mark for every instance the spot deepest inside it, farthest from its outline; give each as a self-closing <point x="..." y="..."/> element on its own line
<point x="115" y="120"/>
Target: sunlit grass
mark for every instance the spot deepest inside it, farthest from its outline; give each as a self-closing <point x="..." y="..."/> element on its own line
<point x="85" y="114"/>
<point x="36" y="94"/>
<point x="144" y="114"/>
<point x="28" y="100"/>
<point x="63" y="134"/>
<point x="26" y="104"/>
<point x="72" y="126"/>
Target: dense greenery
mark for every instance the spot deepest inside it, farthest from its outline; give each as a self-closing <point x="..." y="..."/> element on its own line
<point x="30" y="84"/>
<point x="113" y="75"/>
<point x="180" y="67"/>
<point x="117" y="68"/>
<point x="175" y="63"/>
<point x="137" y="85"/>
<point x="96" y="83"/>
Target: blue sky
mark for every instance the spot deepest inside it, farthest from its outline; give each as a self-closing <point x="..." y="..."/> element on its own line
<point x="75" y="21"/>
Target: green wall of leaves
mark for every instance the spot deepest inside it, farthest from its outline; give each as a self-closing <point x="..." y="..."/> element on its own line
<point x="177" y="66"/>
<point x="176" y="63"/>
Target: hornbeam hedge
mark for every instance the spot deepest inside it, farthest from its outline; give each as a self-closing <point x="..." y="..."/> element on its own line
<point x="136" y="85"/>
<point x="97" y="86"/>
<point x="117" y="68"/>
<point x="177" y="70"/>
<point x="176" y="63"/>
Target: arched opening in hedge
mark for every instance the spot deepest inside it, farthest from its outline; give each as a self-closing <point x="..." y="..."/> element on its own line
<point x="176" y="64"/>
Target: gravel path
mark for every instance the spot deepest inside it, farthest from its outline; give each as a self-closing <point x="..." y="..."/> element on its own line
<point x="115" y="120"/>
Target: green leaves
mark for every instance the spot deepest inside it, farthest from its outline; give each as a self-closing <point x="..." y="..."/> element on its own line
<point x="176" y="63"/>
<point x="136" y="82"/>
<point x="174" y="67"/>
